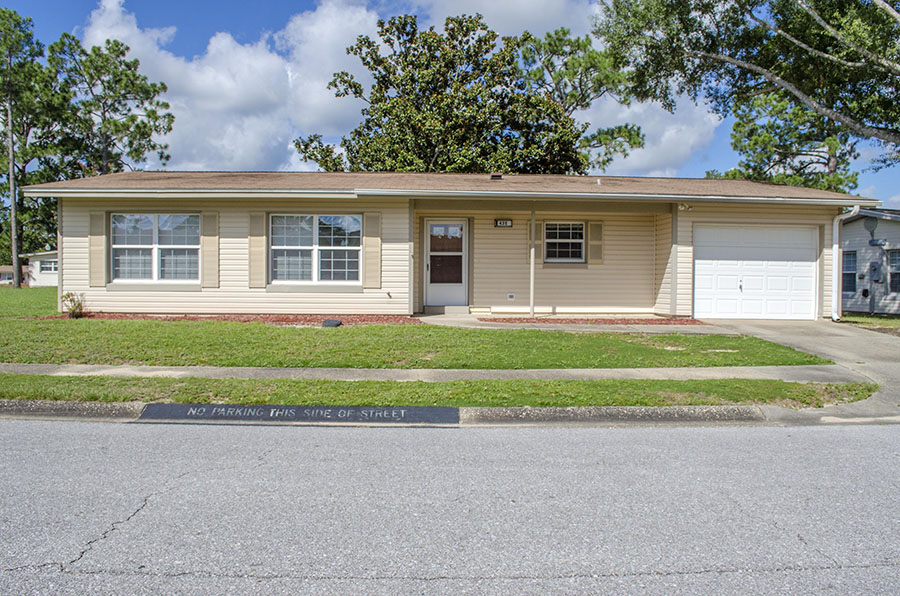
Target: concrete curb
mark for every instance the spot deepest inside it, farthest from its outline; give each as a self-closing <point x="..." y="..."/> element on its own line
<point x="44" y="409"/>
<point x="612" y="414"/>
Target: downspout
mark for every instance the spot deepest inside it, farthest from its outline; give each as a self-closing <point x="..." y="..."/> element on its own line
<point x="836" y="266"/>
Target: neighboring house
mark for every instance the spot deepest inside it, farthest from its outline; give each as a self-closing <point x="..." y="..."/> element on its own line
<point x="870" y="242"/>
<point x="43" y="268"/>
<point x="6" y="275"/>
<point x="340" y="243"/>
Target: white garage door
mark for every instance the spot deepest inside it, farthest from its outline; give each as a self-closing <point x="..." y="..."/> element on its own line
<point x="755" y="272"/>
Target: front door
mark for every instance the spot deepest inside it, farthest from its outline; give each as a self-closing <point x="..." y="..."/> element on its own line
<point x="446" y="265"/>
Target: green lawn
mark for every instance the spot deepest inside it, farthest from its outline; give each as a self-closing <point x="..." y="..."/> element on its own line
<point x="220" y="343"/>
<point x="27" y="302"/>
<point x="872" y="320"/>
<point x="457" y="393"/>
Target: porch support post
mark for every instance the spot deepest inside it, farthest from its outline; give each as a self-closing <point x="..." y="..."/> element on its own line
<point x="531" y="266"/>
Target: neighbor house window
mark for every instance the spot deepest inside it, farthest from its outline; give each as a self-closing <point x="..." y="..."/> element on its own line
<point x="155" y="247"/>
<point x="849" y="273"/>
<point x="49" y="266"/>
<point x="315" y="248"/>
<point x="564" y="242"/>
<point x="894" y="266"/>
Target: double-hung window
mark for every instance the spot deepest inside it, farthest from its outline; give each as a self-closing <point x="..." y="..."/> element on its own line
<point x="894" y="267"/>
<point x="160" y="247"/>
<point x="315" y="248"/>
<point x="564" y="242"/>
<point x="849" y="273"/>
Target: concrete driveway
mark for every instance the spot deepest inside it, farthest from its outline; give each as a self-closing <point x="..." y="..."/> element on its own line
<point x="869" y="353"/>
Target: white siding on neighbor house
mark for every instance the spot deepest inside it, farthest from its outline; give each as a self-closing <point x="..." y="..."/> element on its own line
<point x="624" y="282"/>
<point x="234" y="294"/>
<point x="38" y="279"/>
<point x="855" y="237"/>
<point x="748" y="215"/>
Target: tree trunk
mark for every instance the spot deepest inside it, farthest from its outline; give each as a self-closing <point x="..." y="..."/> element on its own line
<point x="13" y="216"/>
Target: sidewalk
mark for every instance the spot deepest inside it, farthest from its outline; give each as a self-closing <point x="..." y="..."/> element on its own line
<point x="826" y="373"/>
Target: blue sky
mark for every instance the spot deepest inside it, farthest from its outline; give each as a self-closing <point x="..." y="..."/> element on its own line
<point x="245" y="79"/>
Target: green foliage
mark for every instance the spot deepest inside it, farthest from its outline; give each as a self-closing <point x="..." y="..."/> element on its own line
<point x="838" y="58"/>
<point x="116" y="111"/>
<point x="73" y="304"/>
<point x="783" y="143"/>
<point x="31" y="94"/>
<point x="457" y="101"/>
<point x="575" y="74"/>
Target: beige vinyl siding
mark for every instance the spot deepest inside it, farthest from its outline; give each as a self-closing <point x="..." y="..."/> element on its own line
<point x="855" y="237"/>
<point x="793" y="215"/>
<point x="622" y="283"/>
<point x="662" y="264"/>
<point x="234" y="294"/>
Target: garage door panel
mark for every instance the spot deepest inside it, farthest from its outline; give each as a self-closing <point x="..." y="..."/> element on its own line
<point x="755" y="271"/>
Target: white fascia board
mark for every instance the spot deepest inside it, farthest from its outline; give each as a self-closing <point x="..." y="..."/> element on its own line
<point x="442" y="194"/>
<point x="877" y="214"/>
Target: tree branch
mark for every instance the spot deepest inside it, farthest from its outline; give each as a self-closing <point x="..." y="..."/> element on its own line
<point x="883" y="134"/>
<point x="887" y="8"/>
<point x="802" y="45"/>
<point x="886" y="64"/>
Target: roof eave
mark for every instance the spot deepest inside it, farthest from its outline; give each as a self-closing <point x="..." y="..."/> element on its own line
<point x="443" y="194"/>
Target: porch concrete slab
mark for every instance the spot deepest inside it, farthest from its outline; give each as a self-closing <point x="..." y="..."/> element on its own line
<point x="468" y="321"/>
<point x="802" y="374"/>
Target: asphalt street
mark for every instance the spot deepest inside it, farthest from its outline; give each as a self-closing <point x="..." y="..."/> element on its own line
<point x="101" y="508"/>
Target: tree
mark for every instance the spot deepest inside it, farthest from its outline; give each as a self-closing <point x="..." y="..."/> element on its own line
<point x="32" y="107"/>
<point x="788" y="144"/>
<point x="455" y="101"/>
<point x="575" y="74"/>
<point x="117" y="114"/>
<point x="837" y="58"/>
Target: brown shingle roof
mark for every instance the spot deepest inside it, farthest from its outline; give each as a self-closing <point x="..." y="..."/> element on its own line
<point x="389" y="181"/>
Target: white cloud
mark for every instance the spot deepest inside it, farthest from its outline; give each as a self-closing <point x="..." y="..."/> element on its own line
<point x="239" y="106"/>
<point x="670" y="139"/>
<point x="892" y="202"/>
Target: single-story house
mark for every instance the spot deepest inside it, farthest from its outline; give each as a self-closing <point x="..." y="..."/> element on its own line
<point x="43" y="268"/>
<point x="403" y="243"/>
<point x="6" y="275"/>
<point x="871" y="261"/>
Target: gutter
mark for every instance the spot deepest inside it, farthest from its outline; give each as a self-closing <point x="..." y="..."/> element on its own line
<point x="836" y="268"/>
<point x="425" y="193"/>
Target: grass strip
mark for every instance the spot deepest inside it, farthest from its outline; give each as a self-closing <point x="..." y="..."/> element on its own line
<point x="892" y="321"/>
<point x="456" y="393"/>
<point x="224" y="343"/>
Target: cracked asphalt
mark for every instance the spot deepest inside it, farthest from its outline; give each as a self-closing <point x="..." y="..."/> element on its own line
<point x="93" y="508"/>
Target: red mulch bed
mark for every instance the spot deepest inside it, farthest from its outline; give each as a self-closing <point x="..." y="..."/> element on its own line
<point x="593" y="321"/>
<point x="297" y="320"/>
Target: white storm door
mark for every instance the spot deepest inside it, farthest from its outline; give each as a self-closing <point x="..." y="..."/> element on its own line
<point x="755" y="272"/>
<point x="446" y="263"/>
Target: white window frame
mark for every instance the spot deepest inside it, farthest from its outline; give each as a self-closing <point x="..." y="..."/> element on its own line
<point x="155" y="252"/>
<point x="844" y="271"/>
<point x="583" y="241"/>
<point x="891" y="270"/>
<point x="52" y="266"/>
<point x="316" y="250"/>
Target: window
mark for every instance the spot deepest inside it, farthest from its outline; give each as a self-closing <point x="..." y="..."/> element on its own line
<point x="49" y="266"/>
<point x="315" y="248"/>
<point x="894" y="267"/>
<point x="564" y="242"/>
<point x="849" y="273"/>
<point x="163" y="247"/>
